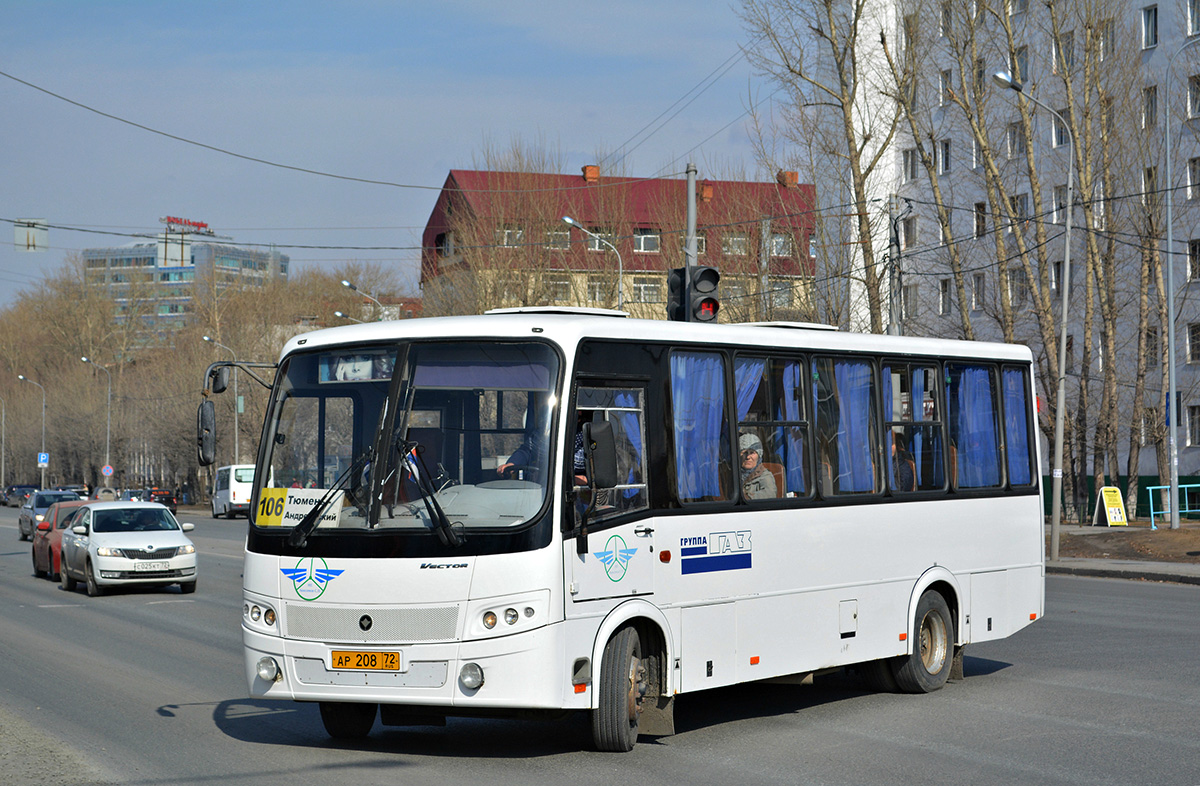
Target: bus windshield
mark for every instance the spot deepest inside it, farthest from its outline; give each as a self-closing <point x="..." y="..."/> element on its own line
<point x="420" y="436"/>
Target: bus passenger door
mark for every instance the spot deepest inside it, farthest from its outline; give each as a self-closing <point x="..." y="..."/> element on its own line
<point x="619" y="554"/>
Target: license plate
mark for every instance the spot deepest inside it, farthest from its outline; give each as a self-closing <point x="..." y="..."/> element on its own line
<point x="354" y="660"/>
<point x="141" y="567"/>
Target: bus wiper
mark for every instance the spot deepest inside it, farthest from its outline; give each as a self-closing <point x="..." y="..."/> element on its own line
<point x="446" y="533"/>
<point x="298" y="538"/>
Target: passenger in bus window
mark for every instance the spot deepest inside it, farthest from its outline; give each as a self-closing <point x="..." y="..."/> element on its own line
<point x="757" y="481"/>
<point x="904" y="476"/>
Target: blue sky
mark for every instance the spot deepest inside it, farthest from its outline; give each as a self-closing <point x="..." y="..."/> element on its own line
<point x="400" y="92"/>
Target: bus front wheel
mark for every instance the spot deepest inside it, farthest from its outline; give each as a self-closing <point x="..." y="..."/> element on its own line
<point x="928" y="667"/>
<point x="622" y="690"/>
<point x="346" y="720"/>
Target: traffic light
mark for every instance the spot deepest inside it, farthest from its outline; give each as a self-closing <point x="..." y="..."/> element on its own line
<point x="677" y="294"/>
<point x="702" y="294"/>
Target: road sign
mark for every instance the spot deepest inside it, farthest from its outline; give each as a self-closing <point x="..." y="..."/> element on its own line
<point x="106" y="470"/>
<point x="43" y="460"/>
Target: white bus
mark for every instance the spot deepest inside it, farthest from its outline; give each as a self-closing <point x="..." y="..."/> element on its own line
<point x="232" y="488"/>
<point x="533" y="511"/>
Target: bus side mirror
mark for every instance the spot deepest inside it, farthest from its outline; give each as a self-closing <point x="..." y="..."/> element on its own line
<point x="601" y="451"/>
<point x="219" y="380"/>
<point x="206" y="433"/>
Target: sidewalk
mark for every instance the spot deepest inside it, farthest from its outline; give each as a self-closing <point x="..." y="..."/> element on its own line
<point x="1143" y="570"/>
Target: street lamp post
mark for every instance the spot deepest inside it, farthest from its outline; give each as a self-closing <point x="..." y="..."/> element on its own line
<point x="343" y="315"/>
<point x="1005" y="80"/>
<point x="108" y="428"/>
<point x="367" y="295"/>
<point x="24" y="378"/>
<point x="3" y="439"/>
<point x="620" y="264"/>
<point x="237" y="453"/>
<point x="1172" y="415"/>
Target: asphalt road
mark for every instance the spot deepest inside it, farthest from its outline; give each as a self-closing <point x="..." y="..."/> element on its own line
<point x="145" y="687"/>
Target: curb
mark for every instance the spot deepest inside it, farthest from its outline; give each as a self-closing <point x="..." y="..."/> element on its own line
<point x="1137" y="574"/>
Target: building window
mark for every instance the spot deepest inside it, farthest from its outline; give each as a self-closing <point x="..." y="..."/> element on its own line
<point x="600" y="289"/>
<point x="1018" y="286"/>
<point x="1060" y="204"/>
<point x="943" y="158"/>
<point x="1150" y="188"/>
<point x="977" y="281"/>
<point x="1193" y="104"/>
<point x="558" y="290"/>
<point x="910" y="165"/>
<point x="781" y="294"/>
<point x="1193" y="260"/>
<point x="647" y="290"/>
<point x="1018" y="64"/>
<point x="1060" y="136"/>
<point x="975" y="157"/>
<point x="1064" y="52"/>
<point x="1018" y="206"/>
<point x="781" y="245"/>
<point x="558" y="239"/>
<point x="1108" y="38"/>
<point x="701" y="244"/>
<point x="1193" y="339"/>
<point x="910" y="32"/>
<point x="1150" y="106"/>
<point x="646" y="241"/>
<point x="597" y="243"/>
<point x="947" y="18"/>
<point x="1070" y="354"/>
<point x="981" y="76"/>
<point x="510" y="237"/>
<point x="1150" y="27"/>
<point x="1152" y="348"/>
<point x="908" y="232"/>
<point x="947" y="229"/>
<point x="1099" y="207"/>
<point x="980" y="219"/>
<point x="1017" y="7"/>
<point x="1193" y="428"/>
<point x="735" y="245"/>
<point x="908" y="302"/>
<point x="944" y="296"/>
<point x="1016" y="139"/>
<point x="945" y="87"/>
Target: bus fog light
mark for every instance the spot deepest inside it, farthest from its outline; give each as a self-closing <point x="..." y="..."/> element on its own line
<point x="511" y="616"/>
<point x="268" y="669"/>
<point x="255" y="613"/>
<point x="269" y="616"/>
<point x="489" y="619"/>
<point x="471" y="676"/>
<point x="529" y="611"/>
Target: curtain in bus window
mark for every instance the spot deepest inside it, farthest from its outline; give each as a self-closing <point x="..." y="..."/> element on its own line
<point x="794" y="439"/>
<point x="973" y="426"/>
<point x="747" y="378"/>
<point x="856" y="471"/>
<point x="629" y="431"/>
<point x="1016" y="432"/>
<point x="700" y="421"/>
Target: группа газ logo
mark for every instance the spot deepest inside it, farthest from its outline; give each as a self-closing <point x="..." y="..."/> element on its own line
<point x="310" y="577"/>
<point x="615" y="557"/>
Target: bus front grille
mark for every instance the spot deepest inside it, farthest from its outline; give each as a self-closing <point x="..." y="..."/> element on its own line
<point x="392" y="625"/>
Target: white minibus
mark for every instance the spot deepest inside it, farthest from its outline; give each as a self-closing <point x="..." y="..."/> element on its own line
<point x="232" y="489"/>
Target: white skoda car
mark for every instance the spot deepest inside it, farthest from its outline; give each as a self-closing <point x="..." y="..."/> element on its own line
<point x="120" y="543"/>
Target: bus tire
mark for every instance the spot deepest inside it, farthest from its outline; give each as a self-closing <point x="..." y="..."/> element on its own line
<point x="345" y="720"/>
<point x="928" y="667"/>
<point x="622" y="691"/>
<point x="879" y="675"/>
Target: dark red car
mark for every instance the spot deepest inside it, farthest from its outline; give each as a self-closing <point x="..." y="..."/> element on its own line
<point x="162" y="497"/>
<point x="47" y="537"/>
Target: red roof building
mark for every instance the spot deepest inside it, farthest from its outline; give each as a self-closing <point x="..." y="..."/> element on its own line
<point x="498" y="239"/>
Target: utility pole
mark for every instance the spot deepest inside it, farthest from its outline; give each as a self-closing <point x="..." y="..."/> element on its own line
<point x="690" y="247"/>
<point x="893" y="265"/>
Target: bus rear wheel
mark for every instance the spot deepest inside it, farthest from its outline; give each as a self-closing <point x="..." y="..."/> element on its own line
<point x="346" y="720"/>
<point x="928" y="667"/>
<point x="622" y="690"/>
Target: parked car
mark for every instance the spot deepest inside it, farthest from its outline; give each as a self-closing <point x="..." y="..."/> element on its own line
<point x="133" y="495"/>
<point x="15" y="496"/>
<point x="105" y="494"/>
<point x="47" y="538"/>
<point x="78" y="488"/>
<point x="33" y="510"/>
<point x="126" y="543"/>
<point x="164" y="497"/>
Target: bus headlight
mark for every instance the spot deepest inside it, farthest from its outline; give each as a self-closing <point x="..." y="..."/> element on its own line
<point x="471" y="676"/>
<point x="268" y="669"/>
<point x="489" y="619"/>
<point x="511" y="616"/>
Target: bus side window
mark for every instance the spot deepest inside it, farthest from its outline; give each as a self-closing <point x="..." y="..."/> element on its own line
<point x="972" y="417"/>
<point x="912" y="427"/>
<point x="770" y="407"/>
<point x="847" y="434"/>
<point x="701" y="427"/>
<point x="1017" y="417"/>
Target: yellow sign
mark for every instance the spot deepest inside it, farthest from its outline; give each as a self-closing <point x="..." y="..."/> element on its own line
<point x="277" y="507"/>
<point x="1111" y="506"/>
